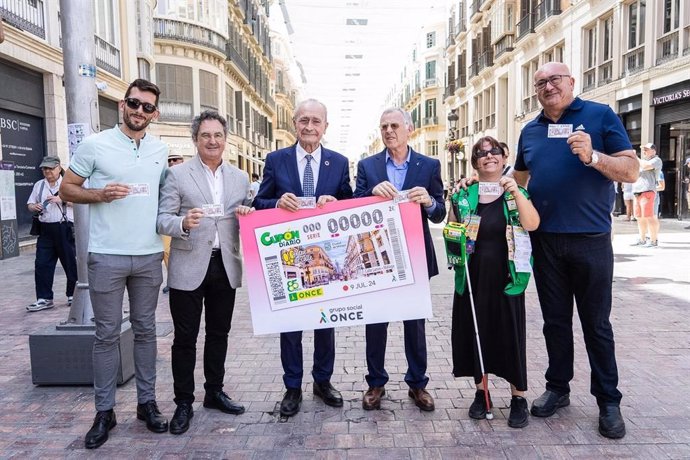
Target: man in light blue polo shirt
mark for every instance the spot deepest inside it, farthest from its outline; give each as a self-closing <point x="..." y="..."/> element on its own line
<point x="125" y="168"/>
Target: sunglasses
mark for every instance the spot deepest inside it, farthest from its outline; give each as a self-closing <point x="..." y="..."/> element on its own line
<point x="484" y="153"/>
<point x="134" y="104"/>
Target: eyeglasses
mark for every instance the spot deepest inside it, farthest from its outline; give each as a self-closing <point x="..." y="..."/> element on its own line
<point x="484" y="153"/>
<point x="392" y="126"/>
<point x="555" y="80"/>
<point x="134" y="103"/>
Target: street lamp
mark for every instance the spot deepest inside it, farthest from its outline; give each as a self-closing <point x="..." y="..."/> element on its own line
<point x="452" y="134"/>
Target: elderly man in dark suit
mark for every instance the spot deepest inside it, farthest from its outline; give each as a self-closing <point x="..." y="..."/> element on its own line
<point x="398" y="168"/>
<point x="198" y="206"/>
<point x="306" y="169"/>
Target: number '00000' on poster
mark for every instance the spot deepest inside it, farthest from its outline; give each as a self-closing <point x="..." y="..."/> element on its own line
<point x="325" y="257"/>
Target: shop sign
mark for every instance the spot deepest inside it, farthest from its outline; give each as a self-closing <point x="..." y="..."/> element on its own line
<point x="671" y="97"/>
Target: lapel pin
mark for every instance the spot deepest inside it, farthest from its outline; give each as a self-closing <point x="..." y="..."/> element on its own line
<point x="326" y="163"/>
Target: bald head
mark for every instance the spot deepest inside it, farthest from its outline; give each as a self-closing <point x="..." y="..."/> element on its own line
<point x="554" y="87"/>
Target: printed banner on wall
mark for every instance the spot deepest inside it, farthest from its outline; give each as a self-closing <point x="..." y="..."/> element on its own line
<point x="351" y="262"/>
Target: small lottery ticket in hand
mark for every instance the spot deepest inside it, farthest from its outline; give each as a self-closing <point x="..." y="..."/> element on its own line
<point x="138" y="189"/>
<point x="306" y="202"/>
<point x="402" y="197"/>
<point x="490" y="188"/>
<point x="213" y="210"/>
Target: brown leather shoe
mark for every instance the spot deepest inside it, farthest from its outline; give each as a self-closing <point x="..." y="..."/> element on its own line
<point x="422" y="398"/>
<point x="372" y="398"/>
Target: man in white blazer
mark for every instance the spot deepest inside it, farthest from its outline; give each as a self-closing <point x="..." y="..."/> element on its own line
<point x="198" y="208"/>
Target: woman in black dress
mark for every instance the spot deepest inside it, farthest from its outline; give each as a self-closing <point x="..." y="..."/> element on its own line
<point x="497" y="286"/>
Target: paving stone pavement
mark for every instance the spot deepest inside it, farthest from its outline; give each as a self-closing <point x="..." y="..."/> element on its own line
<point x="651" y="319"/>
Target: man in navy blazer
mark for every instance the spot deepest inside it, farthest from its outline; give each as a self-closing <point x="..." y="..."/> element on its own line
<point x="306" y="169"/>
<point x="398" y="168"/>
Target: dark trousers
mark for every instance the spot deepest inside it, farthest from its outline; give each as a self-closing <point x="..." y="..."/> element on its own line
<point x="56" y="242"/>
<point x="579" y="267"/>
<point x="293" y="362"/>
<point x="415" y="352"/>
<point x="218" y="299"/>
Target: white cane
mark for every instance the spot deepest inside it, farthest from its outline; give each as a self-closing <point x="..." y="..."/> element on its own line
<point x="485" y="382"/>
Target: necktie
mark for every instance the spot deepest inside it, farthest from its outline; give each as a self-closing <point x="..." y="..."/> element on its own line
<point x="308" y="178"/>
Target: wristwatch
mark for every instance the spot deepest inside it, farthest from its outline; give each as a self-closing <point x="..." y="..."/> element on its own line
<point x="594" y="160"/>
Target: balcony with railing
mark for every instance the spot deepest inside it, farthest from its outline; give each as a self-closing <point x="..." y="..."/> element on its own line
<point x="505" y="44"/>
<point x="429" y="121"/>
<point x="172" y="29"/>
<point x="667" y="48"/>
<point x="234" y="56"/>
<point x="450" y="89"/>
<point x="686" y="48"/>
<point x="605" y="72"/>
<point x="476" y="7"/>
<point x="450" y="40"/>
<point x="460" y="27"/>
<point x="174" y="111"/>
<point x="525" y="26"/>
<point x="546" y="9"/>
<point x="589" y="79"/>
<point x="430" y="82"/>
<point x="107" y="56"/>
<point x="25" y="15"/>
<point x="461" y="80"/>
<point x="633" y="61"/>
<point x="486" y="59"/>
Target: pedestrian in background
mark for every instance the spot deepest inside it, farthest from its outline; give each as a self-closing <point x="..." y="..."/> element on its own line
<point x="125" y="167"/>
<point x="254" y="186"/>
<point x="645" y="193"/>
<point x="173" y="159"/>
<point x="583" y="146"/>
<point x="628" y="199"/>
<point x="56" y="239"/>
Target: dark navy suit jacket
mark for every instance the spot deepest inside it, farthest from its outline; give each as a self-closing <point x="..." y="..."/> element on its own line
<point x="423" y="172"/>
<point x="282" y="176"/>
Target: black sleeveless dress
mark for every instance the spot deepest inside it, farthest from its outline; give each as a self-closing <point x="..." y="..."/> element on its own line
<point x="500" y="318"/>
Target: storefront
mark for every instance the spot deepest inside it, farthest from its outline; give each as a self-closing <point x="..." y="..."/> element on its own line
<point x="22" y="130"/>
<point x="672" y="135"/>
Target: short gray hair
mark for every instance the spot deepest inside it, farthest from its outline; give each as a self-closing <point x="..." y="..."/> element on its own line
<point x="208" y="115"/>
<point x="310" y="101"/>
<point x="405" y="114"/>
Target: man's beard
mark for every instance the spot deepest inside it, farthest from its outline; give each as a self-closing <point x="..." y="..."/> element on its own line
<point x="128" y="121"/>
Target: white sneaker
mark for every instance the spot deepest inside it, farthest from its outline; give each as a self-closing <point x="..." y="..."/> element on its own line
<point x="41" y="304"/>
<point x="70" y="299"/>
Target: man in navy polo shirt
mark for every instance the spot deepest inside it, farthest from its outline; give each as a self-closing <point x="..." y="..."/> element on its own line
<point x="571" y="153"/>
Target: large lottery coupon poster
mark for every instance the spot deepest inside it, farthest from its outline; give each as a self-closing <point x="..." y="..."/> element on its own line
<point x="351" y="262"/>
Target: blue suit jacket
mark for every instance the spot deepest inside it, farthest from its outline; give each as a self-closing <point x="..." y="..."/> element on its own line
<point x="423" y="172"/>
<point x="282" y="176"/>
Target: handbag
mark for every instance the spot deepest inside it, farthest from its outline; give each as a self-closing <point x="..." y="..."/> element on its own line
<point x="35" y="226"/>
<point x="35" y="223"/>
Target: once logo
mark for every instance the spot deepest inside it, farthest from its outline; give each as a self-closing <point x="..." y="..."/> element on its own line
<point x="306" y="294"/>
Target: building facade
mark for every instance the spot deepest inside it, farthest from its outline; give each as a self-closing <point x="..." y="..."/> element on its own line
<point x="633" y="55"/>
<point x="203" y="54"/>
<point x="419" y="91"/>
<point x="215" y="55"/>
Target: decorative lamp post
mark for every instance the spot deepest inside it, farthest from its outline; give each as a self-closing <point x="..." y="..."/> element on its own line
<point x="454" y="145"/>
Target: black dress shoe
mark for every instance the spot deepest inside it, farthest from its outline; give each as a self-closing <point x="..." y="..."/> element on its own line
<point x="149" y="413"/>
<point x="180" y="421"/>
<point x="219" y="400"/>
<point x="519" y="415"/>
<point x="328" y="394"/>
<point x="289" y="406"/>
<point x="547" y="404"/>
<point x="98" y="434"/>
<point x="611" y="424"/>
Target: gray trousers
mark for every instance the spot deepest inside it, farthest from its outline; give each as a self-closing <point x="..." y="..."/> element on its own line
<point x="108" y="276"/>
